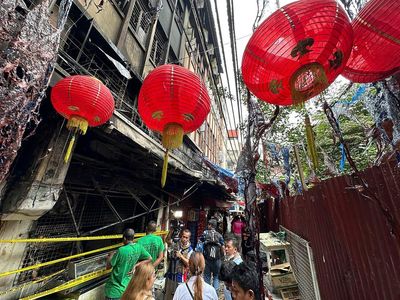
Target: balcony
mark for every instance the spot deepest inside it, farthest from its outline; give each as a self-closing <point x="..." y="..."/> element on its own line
<point x="77" y="57"/>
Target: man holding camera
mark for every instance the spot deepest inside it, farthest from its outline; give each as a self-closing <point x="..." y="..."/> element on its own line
<point x="178" y="257"/>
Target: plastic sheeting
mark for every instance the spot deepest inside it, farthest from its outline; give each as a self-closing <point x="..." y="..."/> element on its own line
<point x="29" y="45"/>
<point x="225" y="175"/>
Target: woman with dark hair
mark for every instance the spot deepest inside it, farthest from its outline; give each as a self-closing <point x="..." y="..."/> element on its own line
<point x="238" y="225"/>
<point x="196" y="288"/>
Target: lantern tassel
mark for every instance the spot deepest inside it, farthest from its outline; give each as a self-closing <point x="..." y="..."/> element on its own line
<point x="69" y="149"/>
<point x="78" y="124"/>
<point x="164" y="169"/>
<point x="172" y="136"/>
<point x="312" y="153"/>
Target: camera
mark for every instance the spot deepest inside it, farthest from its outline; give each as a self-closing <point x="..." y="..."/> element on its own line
<point x="176" y="227"/>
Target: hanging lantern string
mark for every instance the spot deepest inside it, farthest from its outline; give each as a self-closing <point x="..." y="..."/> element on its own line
<point x="312" y="151"/>
<point x="335" y="126"/>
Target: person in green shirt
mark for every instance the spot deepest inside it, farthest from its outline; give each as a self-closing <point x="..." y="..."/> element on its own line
<point x="123" y="262"/>
<point x="153" y="243"/>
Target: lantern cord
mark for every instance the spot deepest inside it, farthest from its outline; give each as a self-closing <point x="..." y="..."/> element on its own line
<point x="69" y="149"/>
<point x="164" y="169"/>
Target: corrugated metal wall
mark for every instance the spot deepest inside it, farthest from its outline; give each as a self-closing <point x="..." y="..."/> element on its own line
<point x="353" y="232"/>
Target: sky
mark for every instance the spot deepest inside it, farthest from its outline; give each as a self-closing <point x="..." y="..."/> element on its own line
<point x="245" y="13"/>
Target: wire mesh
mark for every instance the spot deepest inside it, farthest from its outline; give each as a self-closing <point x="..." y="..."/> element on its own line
<point x="56" y="223"/>
<point x="90" y="210"/>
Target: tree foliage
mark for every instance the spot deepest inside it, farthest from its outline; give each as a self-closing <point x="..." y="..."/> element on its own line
<point x="289" y="131"/>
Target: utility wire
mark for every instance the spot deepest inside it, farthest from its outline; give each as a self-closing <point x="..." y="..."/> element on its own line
<point x="226" y="69"/>
<point x="234" y="57"/>
<point x="221" y="130"/>
<point x="201" y="33"/>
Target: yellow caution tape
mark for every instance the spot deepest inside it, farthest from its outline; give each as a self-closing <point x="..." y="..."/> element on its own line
<point x="52" y="262"/>
<point x="67" y="258"/>
<point x="75" y="239"/>
<point x="69" y="284"/>
<point x="16" y="288"/>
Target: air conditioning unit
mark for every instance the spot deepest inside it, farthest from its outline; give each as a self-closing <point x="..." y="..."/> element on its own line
<point x="84" y="266"/>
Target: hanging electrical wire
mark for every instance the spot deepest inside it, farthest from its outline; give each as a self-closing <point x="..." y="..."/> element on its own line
<point x="226" y="68"/>
<point x="234" y="58"/>
<point x="261" y="12"/>
<point x="201" y="35"/>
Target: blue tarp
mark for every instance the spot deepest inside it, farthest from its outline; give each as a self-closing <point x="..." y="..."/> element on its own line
<point x="225" y="175"/>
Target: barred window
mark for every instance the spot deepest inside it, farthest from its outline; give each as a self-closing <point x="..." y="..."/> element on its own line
<point x="141" y="17"/>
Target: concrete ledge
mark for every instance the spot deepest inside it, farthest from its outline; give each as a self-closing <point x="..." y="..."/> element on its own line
<point x="130" y="130"/>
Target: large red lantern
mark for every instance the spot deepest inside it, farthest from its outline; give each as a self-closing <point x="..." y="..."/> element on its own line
<point x="84" y="101"/>
<point x="173" y="101"/>
<point x="376" y="50"/>
<point x="297" y="52"/>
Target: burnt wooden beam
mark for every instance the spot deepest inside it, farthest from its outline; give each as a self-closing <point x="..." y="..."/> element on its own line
<point x="115" y="212"/>
<point x="137" y="199"/>
<point x="71" y="212"/>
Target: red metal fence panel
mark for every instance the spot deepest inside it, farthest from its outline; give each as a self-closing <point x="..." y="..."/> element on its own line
<point x="353" y="231"/>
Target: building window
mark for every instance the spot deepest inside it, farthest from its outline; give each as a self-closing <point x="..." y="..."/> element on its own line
<point x="172" y="59"/>
<point x="159" y="47"/>
<point x="123" y="5"/>
<point x="179" y="17"/>
<point x="141" y="19"/>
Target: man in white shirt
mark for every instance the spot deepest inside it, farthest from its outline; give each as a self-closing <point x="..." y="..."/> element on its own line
<point x="232" y="254"/>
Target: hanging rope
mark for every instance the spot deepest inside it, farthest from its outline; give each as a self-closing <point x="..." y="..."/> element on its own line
<point x="336" y="130"/>
<point x="311" y="148"/>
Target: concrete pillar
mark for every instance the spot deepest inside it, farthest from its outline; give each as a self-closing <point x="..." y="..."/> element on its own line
<point x="125" y="25"/>
<point x="160" y="217"/>
<point x="12" y="254"/>
<point x="32" y="197"/>
<point x="149" y="45"/>
<point x="28" y="200"/>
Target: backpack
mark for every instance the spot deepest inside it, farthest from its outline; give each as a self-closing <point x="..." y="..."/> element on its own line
<point x="226" y="271"/>
<point x="212" y="248"/>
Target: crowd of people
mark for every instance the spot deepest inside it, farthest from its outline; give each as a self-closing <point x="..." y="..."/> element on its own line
<point x="192" y="273"/>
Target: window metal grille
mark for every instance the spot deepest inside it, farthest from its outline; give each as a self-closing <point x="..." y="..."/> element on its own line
<point x="301" y="260"/>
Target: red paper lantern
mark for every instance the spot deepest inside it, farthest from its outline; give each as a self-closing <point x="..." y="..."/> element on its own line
<point x="297" y="52"/>
<point x="376" y="48"/>
<point x="84" y="101"/>
<point x="173" y="101"/>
